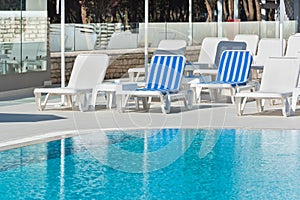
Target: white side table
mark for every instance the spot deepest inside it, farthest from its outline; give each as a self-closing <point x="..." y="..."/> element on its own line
<point x="134" y="73"/>
<point x="110" y="90"/>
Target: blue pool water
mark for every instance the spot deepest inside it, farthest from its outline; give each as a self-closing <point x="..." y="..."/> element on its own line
<point x="157" y="164"/>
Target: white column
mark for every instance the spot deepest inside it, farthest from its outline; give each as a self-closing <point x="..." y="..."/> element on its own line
<point x="220" y="17"/>
<point x="190" y="23"/>
<point x="281" y="18"/>
<point x="62" y="41"/>
<point x="236" y="9"/>
<point x="263" y="12"/>
<point x="146" y="38"/>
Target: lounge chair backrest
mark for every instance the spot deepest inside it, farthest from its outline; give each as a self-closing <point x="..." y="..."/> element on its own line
<point x="228" y="45"/>
<point x="88" y="70"/>
<point x="171" y="47"/>
<point x="268" y="47"/>
<point x="250" y="39"/>
<point x="165" y="72"/>
<point x="293" y="46"/>
<point x="234" y="66"/>
<point x="209" y="49"/>
<point x="280" y="74"/>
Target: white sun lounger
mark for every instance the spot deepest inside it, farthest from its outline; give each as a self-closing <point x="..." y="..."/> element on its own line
<point x="88" y="70"/>
<point x="250" y="39"/>
<point x="279" y="78"/>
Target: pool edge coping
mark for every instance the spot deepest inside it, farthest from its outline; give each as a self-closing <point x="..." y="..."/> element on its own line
<point x="57" y="135"/>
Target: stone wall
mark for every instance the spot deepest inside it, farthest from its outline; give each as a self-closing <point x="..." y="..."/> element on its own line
<point x="33" y="29"/>
<point x="120" y="61"/>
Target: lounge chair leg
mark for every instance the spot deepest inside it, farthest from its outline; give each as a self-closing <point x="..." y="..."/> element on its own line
<point x="119" y="102"/>
<point x="286" y="107"/>
<point x="145" y="103"/>
<point x="45" y="101"/>
<point x="198" y="91"/>
<point x="123" y="102"/>
<point x="165" y="104"/>
<point x="69" y="101"/>
<point x="93" y="99"/>
<point x="294" y="101"/>
<point x="137" y="103"/>
<point x="259" y="105"/>
<point x="38" y="100"/>
<point x="213" y="94"/>
<point x="80" y="101"/>
<point x="189" y="99"/>
<point x="244" y="104"/>
<point x="239" y="110"/>
<point x="232" y="93"/>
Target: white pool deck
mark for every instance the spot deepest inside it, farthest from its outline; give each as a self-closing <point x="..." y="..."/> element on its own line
<point x="21" y="123"/>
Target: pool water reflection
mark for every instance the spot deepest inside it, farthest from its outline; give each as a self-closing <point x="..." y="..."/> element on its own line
<point x="197" y="164"/>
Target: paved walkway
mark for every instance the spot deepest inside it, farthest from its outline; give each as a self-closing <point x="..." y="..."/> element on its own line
<point x="21" y="122"/>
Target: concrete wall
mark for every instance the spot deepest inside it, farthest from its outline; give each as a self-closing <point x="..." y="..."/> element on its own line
<point x="120" y="61"/>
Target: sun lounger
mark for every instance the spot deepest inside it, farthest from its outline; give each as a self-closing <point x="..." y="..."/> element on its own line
<point x="279" y="78"/>
<point x="250" y="39"/>
<point x="163" y="81"/>
<point x="233" y="74"/>
<point x="88" y="70"/>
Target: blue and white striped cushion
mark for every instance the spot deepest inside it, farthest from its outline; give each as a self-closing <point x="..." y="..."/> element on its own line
<point x="165" y="73"/>
<point x="234" y="67"/>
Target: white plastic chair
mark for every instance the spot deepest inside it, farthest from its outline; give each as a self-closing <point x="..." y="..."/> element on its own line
<point x="279" y="78"/>
<point x="88" y="70"/>
<point x="250" y="39"/>
<point x="293" y="46"/>
<point x="208" y="50"/>
<point x="268" y="47"/>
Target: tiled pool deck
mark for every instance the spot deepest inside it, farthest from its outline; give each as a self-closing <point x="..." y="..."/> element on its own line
<point x="21" y="122"/>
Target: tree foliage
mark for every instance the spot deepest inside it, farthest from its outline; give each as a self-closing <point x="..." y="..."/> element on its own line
<point x="126" y="11"/>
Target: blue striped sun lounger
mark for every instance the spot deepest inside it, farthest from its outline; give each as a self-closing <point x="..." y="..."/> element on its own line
<point x="163" y="81"/>
<point x="233" y="73"/>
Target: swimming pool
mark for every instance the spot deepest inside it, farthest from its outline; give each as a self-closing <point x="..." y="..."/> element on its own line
<point x="157" y="164"/>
